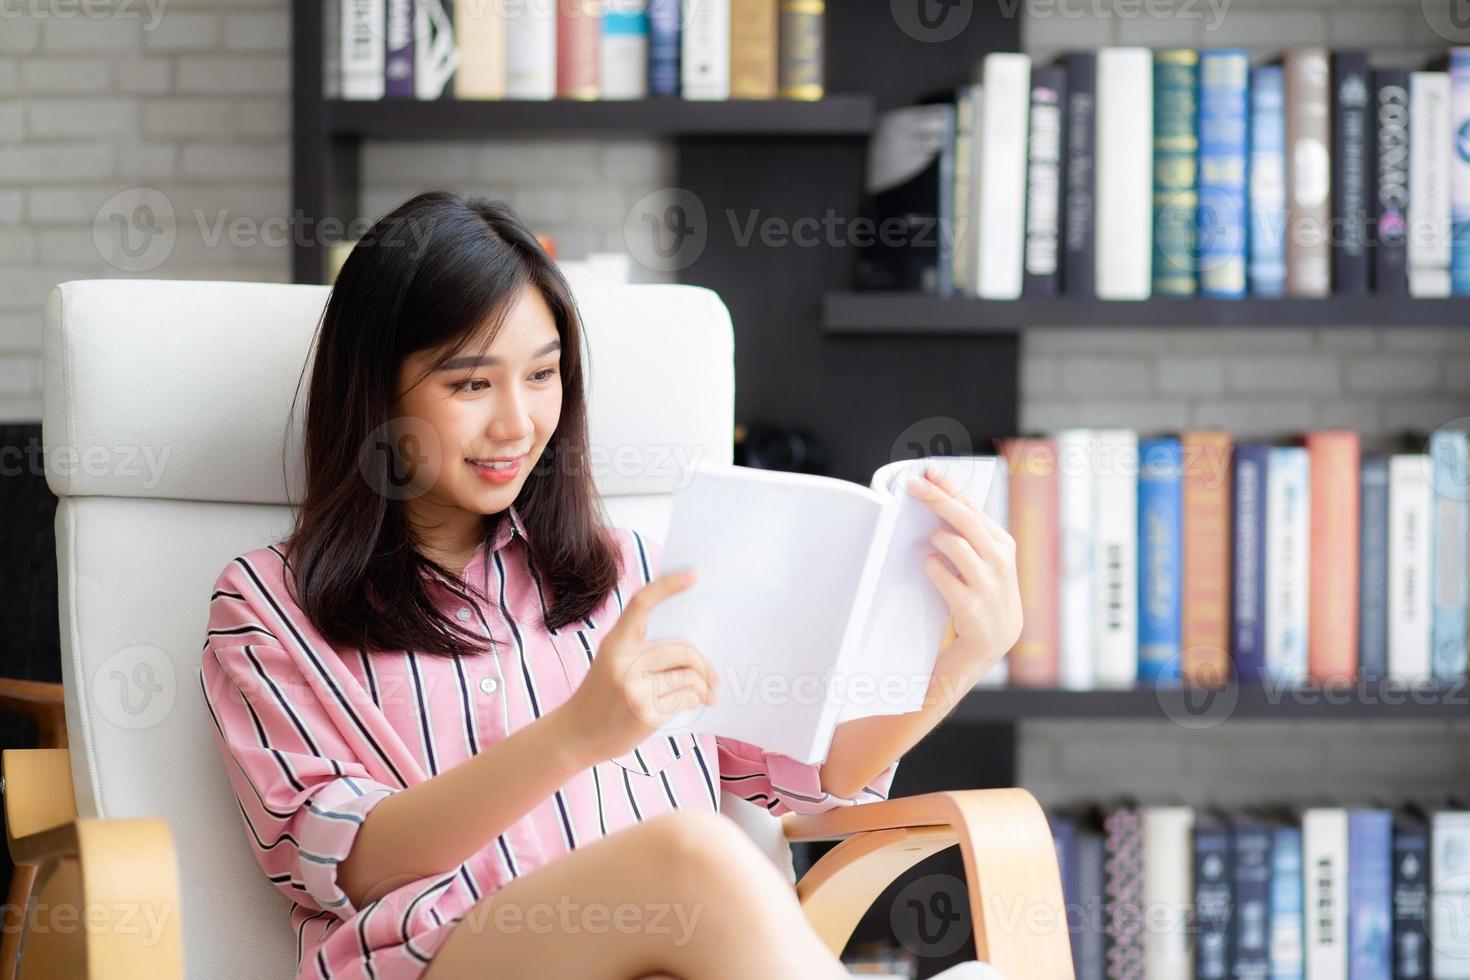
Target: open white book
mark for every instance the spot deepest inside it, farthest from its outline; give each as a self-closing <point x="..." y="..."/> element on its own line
<point x="812" y="602"/>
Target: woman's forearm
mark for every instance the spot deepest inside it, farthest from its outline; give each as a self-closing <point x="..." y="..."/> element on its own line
<point x="434" y="826"/>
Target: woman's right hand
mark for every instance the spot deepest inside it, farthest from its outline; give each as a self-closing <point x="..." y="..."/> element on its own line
<point x="634" y="686"/>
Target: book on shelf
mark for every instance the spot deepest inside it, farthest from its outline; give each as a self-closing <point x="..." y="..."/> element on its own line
<point x="1224" y="156"/>
<point x="837" y="573"/>
<point x="1308" y="98"/>
<point x="1430" y="144"/>
<point x="1267" y="194"/>
<point x="1123" y="216"/>
<point x="1176" y="172"/>
<point x="1352" y="152"/>
<point x="1391" y="185"/>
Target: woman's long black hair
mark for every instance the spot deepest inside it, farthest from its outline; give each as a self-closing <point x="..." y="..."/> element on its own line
<point x="428" y="276"/>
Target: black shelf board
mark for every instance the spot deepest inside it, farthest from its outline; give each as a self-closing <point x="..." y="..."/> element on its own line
<point x="1202" y="710"/>
<point x="836" y="115"/>
<point x="902" y="313"/>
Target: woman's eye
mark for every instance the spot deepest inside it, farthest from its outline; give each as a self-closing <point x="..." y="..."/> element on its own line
<point x="544" y="374"/>
<point x="465" y="385"/>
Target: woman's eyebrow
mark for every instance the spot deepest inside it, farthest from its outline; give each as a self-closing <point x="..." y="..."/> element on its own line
<point x="487" y="360"/>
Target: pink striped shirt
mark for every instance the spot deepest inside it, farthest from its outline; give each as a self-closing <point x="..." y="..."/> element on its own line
<point x="314" y="737"/>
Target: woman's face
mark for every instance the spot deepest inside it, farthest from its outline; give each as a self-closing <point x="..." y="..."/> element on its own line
<point x="503" y="404"/>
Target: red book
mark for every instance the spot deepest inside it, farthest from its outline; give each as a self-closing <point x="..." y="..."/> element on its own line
<point x="1036" y="657"/>
<point x="1204" y="640"/>
<point x="1332" y="600"/>
<point x="578" y="49"/>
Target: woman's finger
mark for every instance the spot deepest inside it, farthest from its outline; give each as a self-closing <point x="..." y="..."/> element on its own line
<point x="967" y="561"/>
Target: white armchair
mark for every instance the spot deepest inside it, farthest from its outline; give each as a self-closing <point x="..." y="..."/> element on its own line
<point x="167" y="406"/>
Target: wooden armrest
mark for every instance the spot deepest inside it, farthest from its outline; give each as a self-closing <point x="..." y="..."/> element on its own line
<point x="106" y="896"/>
<point x="43" y="702"/>
<point x="1012" y="879"/>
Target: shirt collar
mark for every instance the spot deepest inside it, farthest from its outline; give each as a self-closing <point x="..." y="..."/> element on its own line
<point x="511" y="526"/>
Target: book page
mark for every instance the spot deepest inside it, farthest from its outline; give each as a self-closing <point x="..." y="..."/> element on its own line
<point x="779" y="556"/>
<point x="906" y="620"/>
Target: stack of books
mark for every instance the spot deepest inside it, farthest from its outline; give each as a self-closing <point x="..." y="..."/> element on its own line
<point x="575" y="49"/>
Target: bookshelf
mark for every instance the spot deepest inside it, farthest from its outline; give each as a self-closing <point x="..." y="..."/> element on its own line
<point x="1426" y="703"/>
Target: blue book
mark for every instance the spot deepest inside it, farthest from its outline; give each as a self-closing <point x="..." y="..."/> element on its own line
<point x="1213" y="899"/>
<point x="1373" y="569"/>
<point x="398" y="81"/>
<point x="1248" y="561"/>
<point x="1176" y="171"/>
<point x="1410" y="898"/>
<point x="1370" y="894"/>
<point x="663" y="47"/>
<point x="1288" y="953"/>
<point x="1252" y="874"/>
<point x="1288" y="577"/>
<point x="1224" y="150"/>
<point x="1448" y="449"/>
<point x="1268" y="182"/>
<point x="1089" y="941"/>
<point x="1460" y="170"/>
<point x="1160" y="558"/>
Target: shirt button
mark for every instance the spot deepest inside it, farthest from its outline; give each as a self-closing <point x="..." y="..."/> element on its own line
<point x="487" y="684"/>
<point x="464" y="615"/>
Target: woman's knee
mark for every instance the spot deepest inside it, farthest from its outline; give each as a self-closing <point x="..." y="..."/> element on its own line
<point x="713" y="852"/>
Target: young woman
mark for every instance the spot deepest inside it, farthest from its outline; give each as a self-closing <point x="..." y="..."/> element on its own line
<point x="436" y="698"/>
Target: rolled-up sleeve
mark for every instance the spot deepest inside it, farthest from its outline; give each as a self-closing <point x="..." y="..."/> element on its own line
<point x="303" y="795"/>
<point x="782" y="784"/>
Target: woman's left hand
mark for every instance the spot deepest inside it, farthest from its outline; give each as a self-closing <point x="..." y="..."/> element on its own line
<point x="978" y="582"/>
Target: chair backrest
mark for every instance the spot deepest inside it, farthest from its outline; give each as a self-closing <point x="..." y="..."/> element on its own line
<point x="166" y="411"/>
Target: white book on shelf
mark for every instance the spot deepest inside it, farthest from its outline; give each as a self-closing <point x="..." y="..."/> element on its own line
<point x="812" y="603"/>
<point x="1168" y="894"/>
<point x="1410" y="558"/>
<point x="435" y="50"/>
<point x="705" y="50"/>
<point x="1077" y="522"/>
<point x="1430" y="147"/>
<point x="624" y="50"/>
<point x="1125" y="174"/>
<point x="1449" y="889"/>
<point x="1001" y="200"/>
<point x="364" y="53"/>
<point x="1325" y="874"/>
<point x="1115" y="558"/>
<point x="1288" y="562"/>
<point x="530" y="45"/>
<point x="479" y="30"/>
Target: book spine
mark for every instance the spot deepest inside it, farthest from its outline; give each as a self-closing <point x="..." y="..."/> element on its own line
<point x="1460" y="171"/>
<point x="803" y="49"/>
<point x="663" y="47"/>
<point x="1449" y="886"/>
<point x="1123" y="230"/>
<point x="754" y="61"/>
<point x="1205" y="625"/>
<point x="1287" y="954"/>
<point x="1308" y="172"/>
<point x="624" y="68"/>
<point x="398" y="63"/>
<point x="1088" y="938"/>
<point x="1044" y="182"/>
<point x="1448" y="450"/>
<point x="1214" y="902"/>
<point x="706" y="68"/>
<point x="1430" y="144"/>
<point x="962" y="235"/>
<point x="364" y="54"/>
<point x="1267" y="239"/>
<point x="1167" y="891"/>
<point x="1391" y="186"/>
<point x="1332" y="630"/>
<point x="1081" y="166"/>
<point x="332" y="49"/>
<point x="1351" y="172"/>
<point x="1410" y="517"/>
<point x="1252" y="866"/>
<point x="1248" y="525"/>
<point x="1176" y="171"/>
<point x="1123" y="893"/>
<point x="1115" y="558"/>
<point x="942" y="266"/>
<point x="481" y="33"/>
<point x="436" y="58"/>
<point x="1224" y="147"/>
<point x="1077" y="525"/>
<point x="1032" y="464"/>
<point x="1288" y="563"/>
<point x="530" y="50"/>
<point x="1370" y="894"/>
<point x="1160" y="559"/>
<point x="1002" y="159"/>
<point x="1324" y="861"/>
<point x="1411" y="900"/>
<point x="578" y="48"/>
<point x="1373" y="570"/>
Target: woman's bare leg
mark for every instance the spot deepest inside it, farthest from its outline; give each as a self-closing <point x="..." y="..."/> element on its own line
<point x="687" y="894"/>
